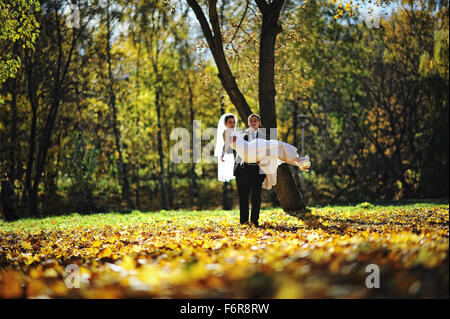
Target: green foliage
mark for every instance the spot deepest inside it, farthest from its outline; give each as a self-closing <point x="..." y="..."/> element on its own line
<point x="365" y="205"/>
<point x="18" y="31"/>
<point x="376" y="101"/>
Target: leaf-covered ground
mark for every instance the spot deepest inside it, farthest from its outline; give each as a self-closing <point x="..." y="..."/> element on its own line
<point x="207" y="254"/>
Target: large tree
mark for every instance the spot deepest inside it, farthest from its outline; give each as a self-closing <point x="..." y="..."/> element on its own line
<point x="290" y="197"/>
<point x="270" y="11"/>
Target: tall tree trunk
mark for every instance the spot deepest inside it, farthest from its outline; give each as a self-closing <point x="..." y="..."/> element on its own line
<point x="287" y="192"/>
<point x="59" y="76"/>
<point x="193" y="189"/>
<point x="32" y="207"/>
<point x="44" y="146"/>
<point x="153" y="49"/>
<point x="138" y="187"/>
<point x="170" y="171"/>
<point x="169" y="183"/>
<point x="295" y="139"/>
<point x="160" y="150"/>
<point x="123" y="170"/>
<point x="13" y="149"/>
<point x="30" y="161"/>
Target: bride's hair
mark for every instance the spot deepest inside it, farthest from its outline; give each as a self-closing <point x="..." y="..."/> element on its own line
<point x="228" y="117"/>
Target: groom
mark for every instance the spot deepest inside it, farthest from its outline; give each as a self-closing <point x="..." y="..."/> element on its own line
<point x="249" y="180"/>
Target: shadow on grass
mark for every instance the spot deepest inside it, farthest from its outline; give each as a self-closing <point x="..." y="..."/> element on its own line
<point x="340" y="225"/>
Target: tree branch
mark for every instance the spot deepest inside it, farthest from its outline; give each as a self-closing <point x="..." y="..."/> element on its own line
<point x="214" y="19"/>
<point x="203" y="23"/>
<point x="240" y="23"/>
<point x="215" y="42"/>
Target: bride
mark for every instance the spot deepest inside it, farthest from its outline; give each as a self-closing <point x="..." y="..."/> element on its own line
<point x="268" y="154"/>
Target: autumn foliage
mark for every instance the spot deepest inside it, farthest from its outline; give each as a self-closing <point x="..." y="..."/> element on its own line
<point x="208" y="254"/>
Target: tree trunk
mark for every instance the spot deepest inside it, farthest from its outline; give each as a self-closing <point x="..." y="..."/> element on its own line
<point x="295" y="140"/>
<point x="287" y="192"/>
<point x="59" y="76"/>
<point x="170" y="173"/>
<point x="44" y="146"/>
<point x="123" y="170"/>
<point x="30" y="161"/>
<point x="170" y="183"/>
<point x="192" y="174"/>
<point x="13" y="164"/>
<point x="32" y="208"/>
<point x="160" y="151"/>
<point x="137" y="166"/>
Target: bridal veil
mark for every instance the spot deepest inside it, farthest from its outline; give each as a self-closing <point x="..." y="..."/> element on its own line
<point x="224" y="169"/>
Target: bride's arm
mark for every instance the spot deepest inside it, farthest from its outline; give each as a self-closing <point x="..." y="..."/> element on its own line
<point x="224" y="145"/>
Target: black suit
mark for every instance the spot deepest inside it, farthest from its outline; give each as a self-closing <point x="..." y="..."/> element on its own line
<point x="249" y="182"/>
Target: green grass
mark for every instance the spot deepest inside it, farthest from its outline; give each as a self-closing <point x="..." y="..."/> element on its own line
<point x="353" y="208"/>
<point x="193" y="253"/>
<point x="116" y="218"/>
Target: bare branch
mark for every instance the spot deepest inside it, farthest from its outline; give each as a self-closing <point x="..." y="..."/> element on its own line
<point x="216" y="46"/>
<point x="214" y="19"/>
<point x="240" y="23"/>
<point x="203" y="23"/>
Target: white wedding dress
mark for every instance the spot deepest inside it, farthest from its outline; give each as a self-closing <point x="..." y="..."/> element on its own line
<point x="267" y="153"/>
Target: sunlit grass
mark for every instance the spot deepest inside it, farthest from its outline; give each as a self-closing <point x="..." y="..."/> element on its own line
<point x="135" y="216"/>
<point x="190" y="254"/>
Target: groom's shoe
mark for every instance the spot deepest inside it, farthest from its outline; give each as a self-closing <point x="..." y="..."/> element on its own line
<point x="256" y="224"/>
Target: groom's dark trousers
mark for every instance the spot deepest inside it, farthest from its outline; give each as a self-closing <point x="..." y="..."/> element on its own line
<point x="249" y="183"/>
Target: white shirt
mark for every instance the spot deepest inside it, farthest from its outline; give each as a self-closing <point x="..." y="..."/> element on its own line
<point x="251" y="133"/>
